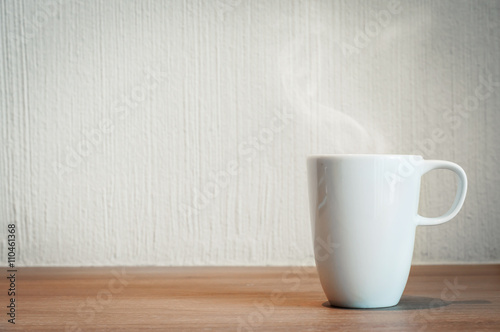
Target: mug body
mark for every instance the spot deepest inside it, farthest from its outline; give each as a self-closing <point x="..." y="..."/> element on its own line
<point x="363" y="209"/>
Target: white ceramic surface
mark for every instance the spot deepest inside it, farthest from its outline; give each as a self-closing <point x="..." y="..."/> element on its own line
<point x="364" y="212"/>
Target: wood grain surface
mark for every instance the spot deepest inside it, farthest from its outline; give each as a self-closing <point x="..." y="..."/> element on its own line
<point x="437" y="298"/>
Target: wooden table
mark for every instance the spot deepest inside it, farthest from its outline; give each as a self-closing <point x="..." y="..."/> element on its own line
<point x="440" y="298"/>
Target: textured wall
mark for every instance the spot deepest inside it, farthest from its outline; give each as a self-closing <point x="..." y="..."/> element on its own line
<point x="175" y="132"/>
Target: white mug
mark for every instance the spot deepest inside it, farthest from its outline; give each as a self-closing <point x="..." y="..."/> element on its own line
<point x="364" y="213"/>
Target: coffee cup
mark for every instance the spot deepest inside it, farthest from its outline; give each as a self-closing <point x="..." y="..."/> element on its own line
<point x="364" y="214"/>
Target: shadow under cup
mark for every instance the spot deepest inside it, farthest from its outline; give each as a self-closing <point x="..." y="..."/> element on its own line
<point x="364" y="213"/>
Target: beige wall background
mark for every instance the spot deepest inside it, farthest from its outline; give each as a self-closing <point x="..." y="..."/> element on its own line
<point x="175" y="132"/>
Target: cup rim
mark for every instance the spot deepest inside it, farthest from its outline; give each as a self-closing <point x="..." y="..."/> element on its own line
<point x="380" y="155"/>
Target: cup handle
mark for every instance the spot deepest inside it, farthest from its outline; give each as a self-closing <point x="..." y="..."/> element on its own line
<point x="429" y="165"/>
